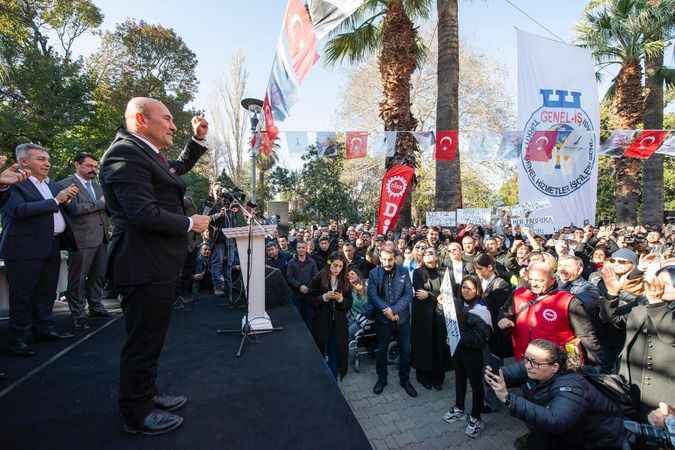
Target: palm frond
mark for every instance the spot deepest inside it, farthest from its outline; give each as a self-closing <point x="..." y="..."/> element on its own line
<point x="418" y="9"/>
<point x="363" y="13"/>
<point x="354" y="46"/>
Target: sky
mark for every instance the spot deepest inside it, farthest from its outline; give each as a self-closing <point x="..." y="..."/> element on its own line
<point x="215" y="29"/>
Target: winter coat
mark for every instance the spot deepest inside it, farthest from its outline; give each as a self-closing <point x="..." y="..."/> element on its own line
<point x="330" y="318"/>
<point x="648" y="356"/>
<point x="564" y="412"/>
<point x="428" y="329"/>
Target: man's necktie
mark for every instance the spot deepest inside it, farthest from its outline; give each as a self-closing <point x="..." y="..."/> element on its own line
<point x="162" y="159"/>
<point x="90" y="189"/>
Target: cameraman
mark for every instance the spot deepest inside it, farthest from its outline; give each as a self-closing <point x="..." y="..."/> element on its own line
<point x="222" y="249"/>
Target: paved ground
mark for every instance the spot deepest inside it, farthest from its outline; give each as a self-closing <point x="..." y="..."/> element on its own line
<point x="393" y="420"/>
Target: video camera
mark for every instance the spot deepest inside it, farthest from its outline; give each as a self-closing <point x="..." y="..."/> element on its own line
<point x="644" y="434"/>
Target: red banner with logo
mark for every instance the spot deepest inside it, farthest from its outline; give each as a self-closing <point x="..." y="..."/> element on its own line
<point x="395" y="189"/>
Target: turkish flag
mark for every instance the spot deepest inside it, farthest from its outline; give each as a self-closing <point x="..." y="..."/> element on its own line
<point x="447" y="143"/>
<point x="645" y="144"/>
<point x="540" y="146"/>
<point x="356" y="144"/>
<point x="300" y="38"/>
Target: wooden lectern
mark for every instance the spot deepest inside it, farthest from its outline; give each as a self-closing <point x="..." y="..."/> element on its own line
<point x="258" y="319"/>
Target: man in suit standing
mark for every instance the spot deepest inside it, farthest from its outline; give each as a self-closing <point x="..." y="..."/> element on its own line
<point x="144" y="196"/>
<point x="86" y="266"/>
<point x="390" y="293"/>
<point x="35" y="230"/>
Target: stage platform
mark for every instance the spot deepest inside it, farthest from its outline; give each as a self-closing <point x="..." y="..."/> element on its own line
<point x="279" y="395"/>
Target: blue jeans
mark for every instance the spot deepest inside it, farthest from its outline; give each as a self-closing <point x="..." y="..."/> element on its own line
<point x="222" y="255"/>
<point x="384" y="328"/>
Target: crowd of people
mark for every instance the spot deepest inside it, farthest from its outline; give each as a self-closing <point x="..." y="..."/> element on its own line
<point x="582" y="300"/>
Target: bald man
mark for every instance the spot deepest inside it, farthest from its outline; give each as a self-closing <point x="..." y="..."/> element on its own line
<point x="542" y="311"/>
<point x="144" y="195"/>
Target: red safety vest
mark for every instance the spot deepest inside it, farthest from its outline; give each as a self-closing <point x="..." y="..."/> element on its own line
<point x="543" y="317"/>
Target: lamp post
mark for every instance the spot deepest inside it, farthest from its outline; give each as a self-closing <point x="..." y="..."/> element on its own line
<point x="254" y="107"/>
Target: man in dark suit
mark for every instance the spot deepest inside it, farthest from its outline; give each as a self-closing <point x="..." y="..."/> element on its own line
<point x="389" y="294"/>
<point x="35" y="230"/>
<point x="86" y="266"/>
<point x="148" y="246"/>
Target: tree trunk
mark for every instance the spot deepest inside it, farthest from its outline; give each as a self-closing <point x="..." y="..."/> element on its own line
<point x="652" y="168"/>
<point x="628" y="108"/>
<point x="397" y="63"/>
<point x="448" y="179"/>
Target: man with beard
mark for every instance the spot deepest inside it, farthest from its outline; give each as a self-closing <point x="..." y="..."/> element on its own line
<point x="86" y="266"/>
<point x="390" y="294"/>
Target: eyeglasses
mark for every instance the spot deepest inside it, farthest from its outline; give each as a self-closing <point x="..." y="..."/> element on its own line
<point x="536" y="364"/>
<point x="619" y="261"/>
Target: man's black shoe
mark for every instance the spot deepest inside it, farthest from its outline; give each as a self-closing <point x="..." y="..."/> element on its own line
<point x="20" y="348"/>
<point x="100" y="313"/>
<point x="426" y="385"/>
<point x="157" y="422"/>
<point x="53" y="336"/>
<point x="379" y="387"/>
<point x="409" y="389"/>
<point x="438" y="387"/>
<point x="169" y="402"/>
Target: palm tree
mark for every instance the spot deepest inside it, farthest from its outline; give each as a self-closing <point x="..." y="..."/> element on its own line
<point x="612" y="30"/>
<point x="387" y="27"/>
<point x="659" y="27"/>
<point x="448" y="179"/>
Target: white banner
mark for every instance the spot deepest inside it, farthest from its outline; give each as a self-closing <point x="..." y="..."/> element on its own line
<point x="441" y="219"/>
<point x="450" y="313"/>
<point x="559" y="114"/>
<point x="474" y="216"/>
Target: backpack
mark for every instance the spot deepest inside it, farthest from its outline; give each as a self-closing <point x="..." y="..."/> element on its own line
<point x="615" y="387"/>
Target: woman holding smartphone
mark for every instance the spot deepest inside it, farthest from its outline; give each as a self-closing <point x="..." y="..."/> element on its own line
<point x="331" y="298"/>
<point x="475" y="326"/>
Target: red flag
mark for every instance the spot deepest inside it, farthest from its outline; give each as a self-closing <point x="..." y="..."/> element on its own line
<point x="645" y="144"/>
<point x="540" y="146"/>
<point x="446" y="145"/>
<point x="356" y="144"/>
<point x="395" y="188"/>
<point x="300" y="38"/>
<point x="267" y="138"/>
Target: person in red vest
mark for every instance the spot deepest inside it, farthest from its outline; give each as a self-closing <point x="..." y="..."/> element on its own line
<point x="541" y="311"/>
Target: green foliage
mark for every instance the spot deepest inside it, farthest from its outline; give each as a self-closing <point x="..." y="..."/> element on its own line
<point x="605" y="210"/>
<point x="144" y="60"/>
<point x="475" y="193"/>
<point x="197" y="187"/>
<point x="508" y="191"/>
<point x="43" y="93"/>
<point x="317" y="190"/>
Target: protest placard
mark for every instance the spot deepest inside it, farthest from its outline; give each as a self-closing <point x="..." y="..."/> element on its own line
<point x="441" y="218"/>
<point x="474" y="216"/>
<point x="449" y="312"/>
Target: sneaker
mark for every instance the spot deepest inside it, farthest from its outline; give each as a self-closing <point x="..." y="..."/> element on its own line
<point x="474" y="427"/>
<point x="454" y="415"/>
<point x="218" y="292"/>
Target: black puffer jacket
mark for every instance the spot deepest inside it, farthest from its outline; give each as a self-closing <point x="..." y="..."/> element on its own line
<point x="565" y="412"/>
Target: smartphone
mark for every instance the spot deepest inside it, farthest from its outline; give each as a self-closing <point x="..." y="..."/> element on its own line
<point x="495" y="363"/>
